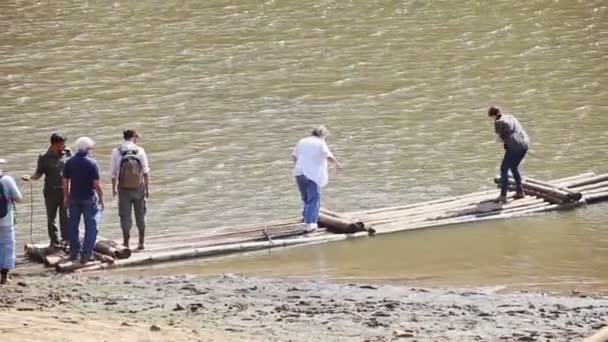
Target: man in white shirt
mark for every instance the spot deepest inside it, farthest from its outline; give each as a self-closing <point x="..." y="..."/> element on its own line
<point x="130" y="181"/>
<point x="310" y="158"/>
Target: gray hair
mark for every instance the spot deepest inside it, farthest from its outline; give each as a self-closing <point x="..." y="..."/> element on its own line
<point x="321" y="132"/>
<point x="84" y="144"/>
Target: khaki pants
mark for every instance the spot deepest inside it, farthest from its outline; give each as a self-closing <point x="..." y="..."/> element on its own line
<point x="128" y="201"/>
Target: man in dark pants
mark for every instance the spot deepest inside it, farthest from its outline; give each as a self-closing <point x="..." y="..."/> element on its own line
<point x="516" y="143"/>
<point x="51" y="165"/>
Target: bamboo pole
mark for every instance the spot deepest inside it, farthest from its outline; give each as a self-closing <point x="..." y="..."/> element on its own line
<point x="592" y="186"/>
<point x="497" y="208"/>
<point x="588" y="181"/>
<point x="597" y="197"/>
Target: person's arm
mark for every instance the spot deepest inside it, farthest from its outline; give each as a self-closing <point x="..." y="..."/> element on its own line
<point x="501" y="130"/>
<point x="38" y="173"/>
<point x="146" y="169"/>
<point x="97" y="187"/>
<point x="330" y="156"/>
<point x="99" y="190"/>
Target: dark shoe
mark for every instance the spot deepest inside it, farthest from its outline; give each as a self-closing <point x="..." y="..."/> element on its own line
<point x="500" y="199"/>
<point x="140" y="246"/>
<point x="519" y="196"/>
<point x="73" y="258"/>
<point x="86" y="259"/>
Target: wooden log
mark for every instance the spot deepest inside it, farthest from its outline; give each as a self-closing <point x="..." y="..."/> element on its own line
<point x="36" y="252"/>
<point x="72" y="266"/>
<point x="340" y="226"/>
<point x="597" y="197"/>
<point x="588" y="181"/>
<point x="54" y="260"/>
<point x="112" y="249"/>
<point x="296" y="231"/>
<point x="103" y="258"/>
<point x="517" y="205"/>
<point x="550" y="192"/>
<point x="592" y="186"/>
<point x="573" y="195"/>
<point x="179" y="255"/>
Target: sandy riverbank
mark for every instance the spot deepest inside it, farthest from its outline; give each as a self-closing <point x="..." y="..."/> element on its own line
<point x="228" y="308"/>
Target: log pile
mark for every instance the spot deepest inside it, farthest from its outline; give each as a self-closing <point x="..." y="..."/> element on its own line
<point x="565" y="193"/>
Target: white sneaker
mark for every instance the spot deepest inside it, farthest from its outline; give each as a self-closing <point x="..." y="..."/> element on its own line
<point x="310" y="227"/>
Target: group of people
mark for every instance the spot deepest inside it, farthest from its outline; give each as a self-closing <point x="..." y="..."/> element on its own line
<point x="73" y="189"/>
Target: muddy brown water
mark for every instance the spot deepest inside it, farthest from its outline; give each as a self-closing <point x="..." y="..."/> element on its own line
<point x="222" y="90"/>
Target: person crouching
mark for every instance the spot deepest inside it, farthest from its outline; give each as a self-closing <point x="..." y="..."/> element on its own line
<point x="311" y="156"/>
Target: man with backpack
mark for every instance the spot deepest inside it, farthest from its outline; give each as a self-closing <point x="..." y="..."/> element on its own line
<point x="130" y="181"/>
<point x="9" y="195"/>
<point x="50" y="165"/>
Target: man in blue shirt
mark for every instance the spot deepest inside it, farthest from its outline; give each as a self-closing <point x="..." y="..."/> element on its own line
<point x="83" y="195"/>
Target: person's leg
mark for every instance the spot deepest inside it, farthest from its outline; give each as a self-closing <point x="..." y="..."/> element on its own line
<point x="518" y="156"/>
<point x="7" y="251"/>
<point x="314" y="193"/>
<point x="302" y="182"/>
<point x="140" y="209"/>
<point x="73" y="223"/>
<point x="63" y="218"/>
<point x="52" y="204"/>
<point x="125" y="206"/>
<point x="91" y="223"/>
<point x="3" y="276"/>
<point x="504" y="174"/>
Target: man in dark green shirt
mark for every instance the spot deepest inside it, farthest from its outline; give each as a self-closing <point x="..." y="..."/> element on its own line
<point x="51" y="166"/>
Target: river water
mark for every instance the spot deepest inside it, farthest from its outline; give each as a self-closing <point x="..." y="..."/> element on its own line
<point x="222" y="90"/>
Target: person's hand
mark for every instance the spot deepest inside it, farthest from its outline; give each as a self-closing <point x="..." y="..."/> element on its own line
<point x="147" y="193"/>
<point x="101" y="205"/>
<point x="65" y="202"/>
<point x="338" y="165"/>
<point x="25" y="178"/>
<point x="114" y="193"/>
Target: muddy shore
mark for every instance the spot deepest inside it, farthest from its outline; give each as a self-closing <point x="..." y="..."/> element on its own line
<point x="189" y="308"/>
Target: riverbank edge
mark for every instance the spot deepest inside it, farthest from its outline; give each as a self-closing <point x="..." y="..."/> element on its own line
<point x="232" y="307"/>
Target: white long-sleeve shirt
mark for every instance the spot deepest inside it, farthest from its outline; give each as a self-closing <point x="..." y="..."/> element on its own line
<point x="311" y="160"/>
<point x="116" y="158"/>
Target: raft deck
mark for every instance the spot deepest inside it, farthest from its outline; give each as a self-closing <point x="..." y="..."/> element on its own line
<point x="561" y="194"/>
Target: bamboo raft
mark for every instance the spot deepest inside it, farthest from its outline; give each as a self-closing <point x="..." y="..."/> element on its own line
<point x="561" y="194"/>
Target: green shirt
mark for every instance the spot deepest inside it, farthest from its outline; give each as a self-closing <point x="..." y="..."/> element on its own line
<point x="51" y="166"/>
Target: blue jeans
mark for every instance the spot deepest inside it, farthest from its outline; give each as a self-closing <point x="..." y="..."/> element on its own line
<point x="511" y="161"/>
<point x="311" y="196"/>
<point x="88" y="209"/>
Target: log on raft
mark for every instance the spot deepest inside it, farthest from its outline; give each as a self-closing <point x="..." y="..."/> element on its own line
<point x="552" y="193"/>
<point x="112" y="249"/>
<point x="339" y="225"/>
<point x="36" y="253"/>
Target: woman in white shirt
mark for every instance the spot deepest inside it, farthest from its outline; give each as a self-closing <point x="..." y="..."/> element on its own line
<point x="310" y="157"/>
